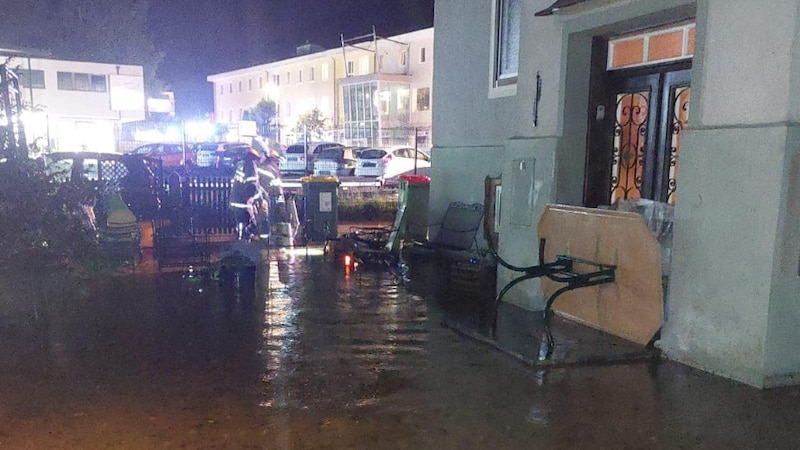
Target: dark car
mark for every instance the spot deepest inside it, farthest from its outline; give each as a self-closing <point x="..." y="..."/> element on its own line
<point x="133" y="175"/>
<point x="219" y="155"/>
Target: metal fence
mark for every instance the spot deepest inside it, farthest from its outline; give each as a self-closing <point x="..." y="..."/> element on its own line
<point x="198" y="204"/>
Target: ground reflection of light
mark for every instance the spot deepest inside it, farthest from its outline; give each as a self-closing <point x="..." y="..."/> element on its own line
<point x="278" y="338"/>
<point x="303" y="251"/>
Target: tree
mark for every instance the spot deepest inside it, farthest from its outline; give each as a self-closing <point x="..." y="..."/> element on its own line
<point x="85" y="30"/>
<point x="263" y="114"/>
<point x="312" y="122"/>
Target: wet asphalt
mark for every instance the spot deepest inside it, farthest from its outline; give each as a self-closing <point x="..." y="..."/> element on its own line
<point x="317" y="356"/>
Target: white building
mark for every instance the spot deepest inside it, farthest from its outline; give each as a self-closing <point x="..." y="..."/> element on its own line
<point x="76" y="105"/>
<point x="372" y="90"/>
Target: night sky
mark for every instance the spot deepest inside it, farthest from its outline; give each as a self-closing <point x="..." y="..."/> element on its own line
<point x="202" y="37"/>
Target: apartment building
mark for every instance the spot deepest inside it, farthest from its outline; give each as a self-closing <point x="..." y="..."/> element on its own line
<point x="77" y="105"/>
<point x="372" y="91"/>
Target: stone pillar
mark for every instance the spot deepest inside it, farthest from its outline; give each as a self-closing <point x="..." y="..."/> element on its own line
<point x="734" y="293"/>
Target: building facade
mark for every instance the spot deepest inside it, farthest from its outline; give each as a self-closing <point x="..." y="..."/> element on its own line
<point x="594" y="97"/>
<point x="371" y="91"/>
<point x="76" y="105"/>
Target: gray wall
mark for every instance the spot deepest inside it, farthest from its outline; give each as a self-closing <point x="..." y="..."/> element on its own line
<point x="733" y="293"/>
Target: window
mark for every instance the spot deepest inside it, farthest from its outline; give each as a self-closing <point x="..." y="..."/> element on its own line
<point x="276" y="80"/>
<point x="350" y="68"/>
<point x="506" y="46"/>
<point x="363" y="65"/>
<point x="288" y="109"/>
<point x="241" y="114"/>
<point x="240" y="86"/>
<point x="288" y="78"/>
<point x="380" y="63"/>
<point x="423" y="99"/>
<point x="325" y="74"/>
<point x="311" y="74"/>
<point x="250" y="84"/>
<point x="31" y="78"/>
<point x="300" y="76"/>
<point x="403" y="57"/>
<point x="422" y="55"/>
<point x="386" y="101"/>
<point x="68" y="81"/>
<point x="221" y="89"/>
<point x="230" y="88"/>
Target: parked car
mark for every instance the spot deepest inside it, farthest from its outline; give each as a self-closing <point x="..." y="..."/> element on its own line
<point x="219" y="155"/>
<point x="170" y="155"/>
<point x="389" y="163"/>
<point x="132" y="175"/>
<point x="339" y="161"/>
<point x="300" y="157"/>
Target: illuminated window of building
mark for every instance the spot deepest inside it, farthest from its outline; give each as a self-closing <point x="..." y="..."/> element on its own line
<point x="423" y="99"/>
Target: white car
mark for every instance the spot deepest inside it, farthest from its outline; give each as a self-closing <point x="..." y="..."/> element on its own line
<point x="389" y="163"/>
<point x="300" y="157"/>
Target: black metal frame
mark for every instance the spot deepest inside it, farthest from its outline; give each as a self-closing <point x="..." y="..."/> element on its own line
<point x="562" y="271"/>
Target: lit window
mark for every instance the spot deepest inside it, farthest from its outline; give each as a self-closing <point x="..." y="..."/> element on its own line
<point x="422" y="55"/>
<point x="325" y="72"/>
<point x="423" y="99"/>
<point x="506" y="49"/>
<point x="363" y="65"/>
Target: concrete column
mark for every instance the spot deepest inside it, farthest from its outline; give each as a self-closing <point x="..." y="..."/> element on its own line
<point x="733" y="304"/>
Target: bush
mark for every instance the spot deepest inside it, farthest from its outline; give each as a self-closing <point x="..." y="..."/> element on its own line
<point x="373" y="209"/>
<point x="42" y="242"/>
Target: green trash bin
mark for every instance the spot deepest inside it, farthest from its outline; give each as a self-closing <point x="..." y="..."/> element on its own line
<point x="321" y="207"/>
<point x="413" y="195"/>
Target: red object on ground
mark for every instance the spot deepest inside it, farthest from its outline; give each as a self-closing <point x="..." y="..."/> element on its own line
<point x="416" y="179"/>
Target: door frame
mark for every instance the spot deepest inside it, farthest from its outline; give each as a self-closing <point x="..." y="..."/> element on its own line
<point x="601" y="117"/>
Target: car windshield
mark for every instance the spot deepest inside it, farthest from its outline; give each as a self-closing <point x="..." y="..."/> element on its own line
<point x="331" y="153"/>
<point x="372" y="153"/>
<point x="296" y="148"/>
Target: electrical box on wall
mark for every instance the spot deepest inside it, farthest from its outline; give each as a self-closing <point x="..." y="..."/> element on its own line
<point x="522" y="191"/>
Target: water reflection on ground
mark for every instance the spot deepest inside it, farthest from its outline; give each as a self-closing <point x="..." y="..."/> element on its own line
<point x="316" y="356"/>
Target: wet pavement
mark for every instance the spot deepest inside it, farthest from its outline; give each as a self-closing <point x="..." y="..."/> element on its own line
<point x="319" y="357"/>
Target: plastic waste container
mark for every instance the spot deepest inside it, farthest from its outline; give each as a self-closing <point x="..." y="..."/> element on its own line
<point x="413" y="195"/>
<point x="321" y="207"/>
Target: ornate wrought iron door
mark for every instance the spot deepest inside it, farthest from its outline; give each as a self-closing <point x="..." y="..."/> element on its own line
<point x="650" y="114"/>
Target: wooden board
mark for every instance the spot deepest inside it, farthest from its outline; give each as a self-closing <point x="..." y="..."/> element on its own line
<point x="632" y="306"/>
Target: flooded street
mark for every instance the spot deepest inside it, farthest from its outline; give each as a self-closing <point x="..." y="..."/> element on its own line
<point x="318" y="357"/>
